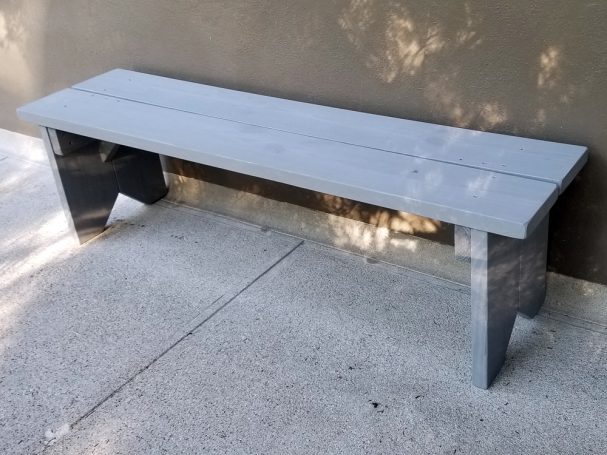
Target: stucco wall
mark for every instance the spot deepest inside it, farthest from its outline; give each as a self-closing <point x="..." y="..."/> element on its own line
<point x="524" y="67"/>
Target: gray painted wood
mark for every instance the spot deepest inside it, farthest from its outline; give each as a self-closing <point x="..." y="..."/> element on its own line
<point x="533" y="260"/>
<point x="86" y="185"/>
<point x="541" y="160"/>
<point x="108" y="150"/>
<point x="498" y="190"/>
<point x="495" y="264"/>
<point x="483" y="200"/>
<point x="532" y="285"/>
<point x="461" y="241"/>
<point x="64" y="143"/>
<point x="139" y="175"/>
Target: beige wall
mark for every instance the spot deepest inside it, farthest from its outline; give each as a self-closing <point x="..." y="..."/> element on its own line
<point x="524" y="67"/>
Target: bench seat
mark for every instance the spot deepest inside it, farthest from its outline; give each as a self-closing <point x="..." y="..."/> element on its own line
<point x="104" y="136"/>
<point x="500" y="203"/>
<point x="540" y="160"/>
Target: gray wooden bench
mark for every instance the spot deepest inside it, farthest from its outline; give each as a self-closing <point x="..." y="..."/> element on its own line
<point x="104" y="136"/>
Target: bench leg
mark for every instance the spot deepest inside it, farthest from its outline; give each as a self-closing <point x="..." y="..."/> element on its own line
<point x="86" y="185"/>
<point x="495" y="264"/>
<point x="461" y="240"/>
<point x="89" y="177"/>
<point x="532" y="286"/>
<point x="139" y="175"/>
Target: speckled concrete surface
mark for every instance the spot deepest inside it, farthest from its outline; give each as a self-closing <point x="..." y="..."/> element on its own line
<point x="329" y="354"/>
<point x="181" y="331"/>
<point x="78" y="322"/>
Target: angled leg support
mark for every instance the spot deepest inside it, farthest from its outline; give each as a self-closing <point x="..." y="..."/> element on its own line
<point x="532" y="286"/>
<point x="89" y="175"/>
<point x="495" y="264"/>
<point x="86" y="185"/>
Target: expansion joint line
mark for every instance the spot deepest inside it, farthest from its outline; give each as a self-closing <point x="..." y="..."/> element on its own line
<point x="183" y="337"/>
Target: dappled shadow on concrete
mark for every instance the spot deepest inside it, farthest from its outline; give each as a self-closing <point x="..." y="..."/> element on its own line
<point x="484" y="66"/>
<point x="467" y="64"/>
<point x="470" y="72"/>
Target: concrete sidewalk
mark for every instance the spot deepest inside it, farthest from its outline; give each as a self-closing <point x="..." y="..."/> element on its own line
<point x="184" y="331"/>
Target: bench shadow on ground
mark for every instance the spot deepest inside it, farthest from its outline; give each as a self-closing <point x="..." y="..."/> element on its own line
<point x="379" y="217"/>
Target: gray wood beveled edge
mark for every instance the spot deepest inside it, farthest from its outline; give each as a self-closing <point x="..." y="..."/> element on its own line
<point x="533" y="261"/>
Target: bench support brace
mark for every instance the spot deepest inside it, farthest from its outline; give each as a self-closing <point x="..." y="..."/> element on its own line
<point x="88" y="186"/>
<point x="139" y="175"/>
<point x="532" y="286"/>
<point x="534" y="251"/>
<point x="495" y="279"/>
<point x="65" y="143"/>
<point x="507" y="276"/>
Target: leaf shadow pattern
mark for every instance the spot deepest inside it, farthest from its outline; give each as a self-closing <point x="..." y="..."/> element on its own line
<point x="12" y="29"/>
<point x="487" y="67"/>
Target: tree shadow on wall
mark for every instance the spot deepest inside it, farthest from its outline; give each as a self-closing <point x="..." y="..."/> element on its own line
<point x="475" y="64"/>
<point x="506" y="68"/>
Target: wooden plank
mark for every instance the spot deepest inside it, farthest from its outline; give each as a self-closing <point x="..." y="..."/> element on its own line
<point x="541" y="160"/>
<point x="86" y="185"/>
<point x="532" y="281"/>
<point x="494" y="297"/>
<point x="487" y="201"/>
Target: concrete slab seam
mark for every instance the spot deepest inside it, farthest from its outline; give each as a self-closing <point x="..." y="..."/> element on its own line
<point x="173" y="345"/>
<point x="583" y="324"/>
